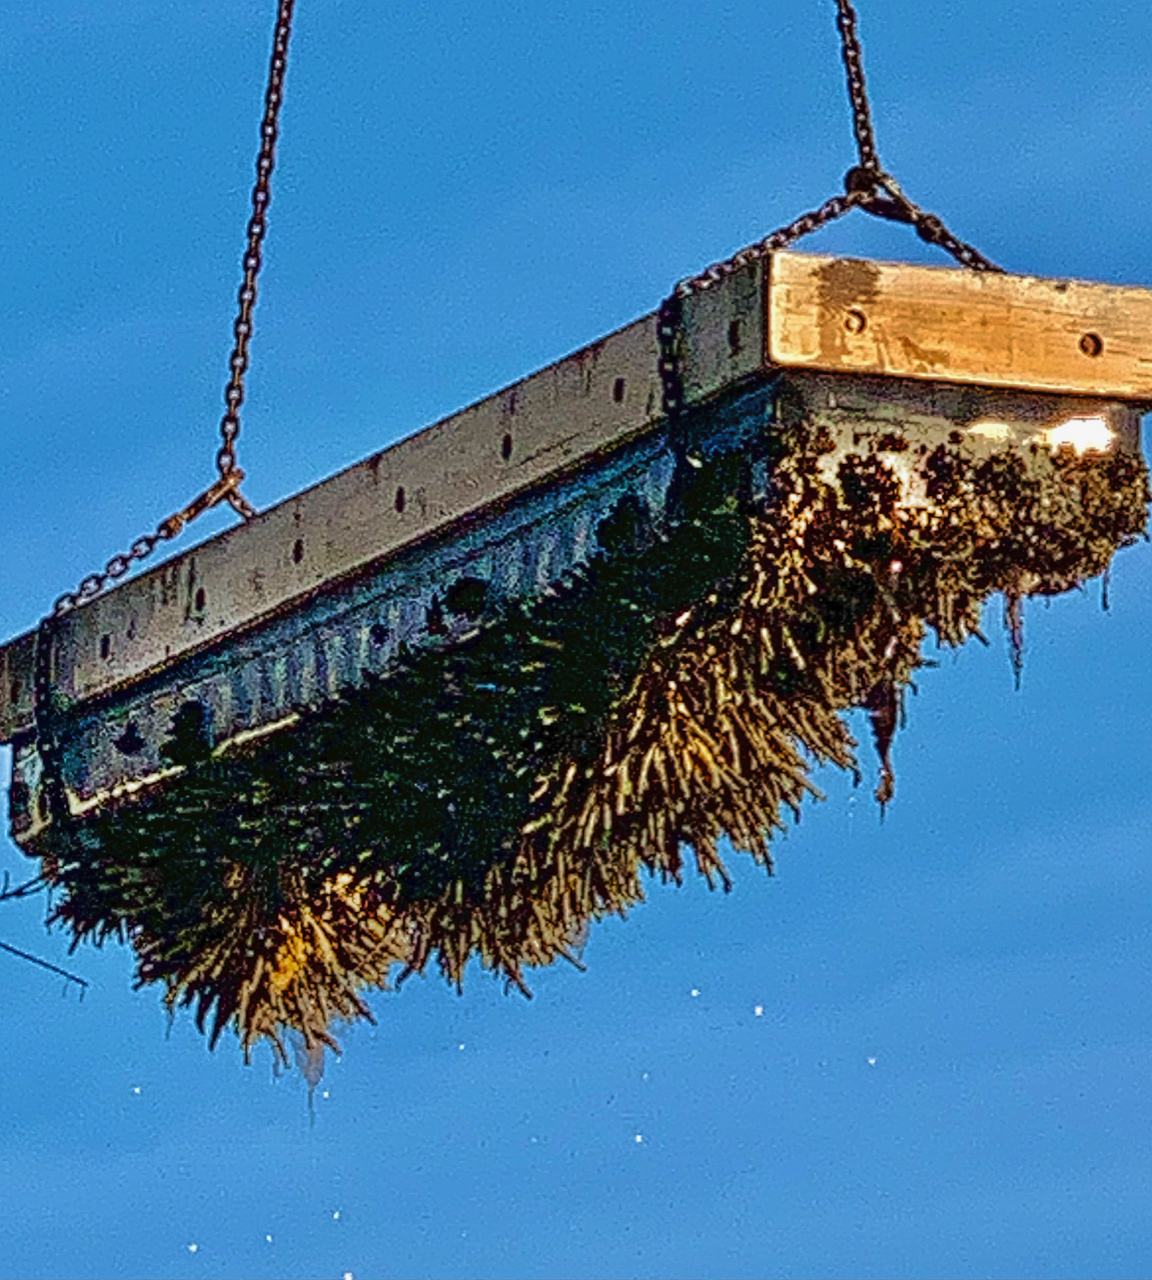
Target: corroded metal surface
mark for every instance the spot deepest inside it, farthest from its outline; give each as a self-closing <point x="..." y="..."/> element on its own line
<point x="508" y="781"/>
<point x="546" y="426"/>
<point x="426" y="598"/>
<point x="549" y="425"/>
<point x="429" y="597"/>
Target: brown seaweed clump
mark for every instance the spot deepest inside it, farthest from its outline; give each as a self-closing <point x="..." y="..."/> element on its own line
<point x="492" y="802"/>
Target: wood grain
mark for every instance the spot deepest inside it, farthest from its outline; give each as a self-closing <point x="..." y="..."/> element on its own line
<point x="856" y="316"/>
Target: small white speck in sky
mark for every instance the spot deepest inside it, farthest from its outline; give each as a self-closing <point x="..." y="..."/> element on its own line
<point x="193" y="1247"/>
<point x="460" y="1046"/>
<point x="324" y="1094"/>
<point x="135" y="1088"/>
<point x="639" y="1137"/>
<point x="348" y="1275"/>
<point x="759" y="1011"/>
<point x="336" y="1214"/>
<point x="644" y="1076"/>
<point x="871" y="1062"/>
<point x="695" y="992"/>
<point x="268" y="1238"/>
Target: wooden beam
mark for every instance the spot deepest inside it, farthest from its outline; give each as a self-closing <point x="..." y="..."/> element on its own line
<point x="848" y="315"/>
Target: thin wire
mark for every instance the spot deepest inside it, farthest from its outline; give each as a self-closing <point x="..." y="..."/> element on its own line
<point x="44" y="964"/>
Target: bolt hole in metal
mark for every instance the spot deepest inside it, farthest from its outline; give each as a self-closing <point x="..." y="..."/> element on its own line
<point x="1092" y="344"/>
<point x="401" y="500"/>
<point x="618" y="391"/>
<point x="506" y="446"/>
<point x="298" y="551"/>
<point x="14" y="692"/>
<point x="201" y="600"/>
<point x="105" y="647"/>
<point x="735" y="343"/>
<point x="130" y="743"/>
<point x="191" y="738"/>
<point x="855" y="321"/>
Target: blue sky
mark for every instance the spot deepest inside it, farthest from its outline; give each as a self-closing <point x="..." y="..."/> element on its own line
<point x="949" y="1070"/>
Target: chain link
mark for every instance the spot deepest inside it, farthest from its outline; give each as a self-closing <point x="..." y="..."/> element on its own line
<point x="868" y="186"/>
<point x="47" y="732"/>
<point x="857" y="89"/>
<point x="118" y="566"/>
<point x="225" y="489"/>
<point x="257" y="225"/>
<point x="781" y="238"/>
<point x="669" y="329"/>
<point x="870" y="177"/>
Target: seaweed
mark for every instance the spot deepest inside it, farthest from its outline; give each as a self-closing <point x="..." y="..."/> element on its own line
<point x="491" y="800"/>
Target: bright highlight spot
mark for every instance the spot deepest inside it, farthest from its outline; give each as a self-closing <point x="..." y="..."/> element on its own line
<point x="695" y="992"/>
<point x="639" y="1137"/>
<point x="193" y="1247"/>
<point x="268" y="1238"/>
<point x="336" y="1214"/>
<point x="871" y="1062"/>
<point x="1081" y="433"/>
<point x="759" y="1011"/>
<point x="988" y="429"/>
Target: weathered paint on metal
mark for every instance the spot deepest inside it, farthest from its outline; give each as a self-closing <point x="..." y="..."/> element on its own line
<point x="334" y="586"/>
<point x="545" y="426"/>
<point x="258" y="682"/>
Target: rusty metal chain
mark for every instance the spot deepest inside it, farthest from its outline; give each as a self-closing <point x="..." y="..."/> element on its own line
<point x="669" y="328"/>
<point x="49" y="739"/>
<point x="857" y="88"/>
<point x="118" y="566"/>
<point x="870" y="176"/>
<point x="781" y="238"/>
<point x="227" y="488"/>
<point x="257" y="225"/>
<point x="48" y="743"/>
<point x="868" y="186"/>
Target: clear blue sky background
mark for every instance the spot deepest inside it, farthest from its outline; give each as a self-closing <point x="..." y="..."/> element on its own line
<point x="950" y="1073"/>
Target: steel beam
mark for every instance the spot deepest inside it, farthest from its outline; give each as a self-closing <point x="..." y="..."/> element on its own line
<point x="526" y="435"/>
<point x="336" y="584"/>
